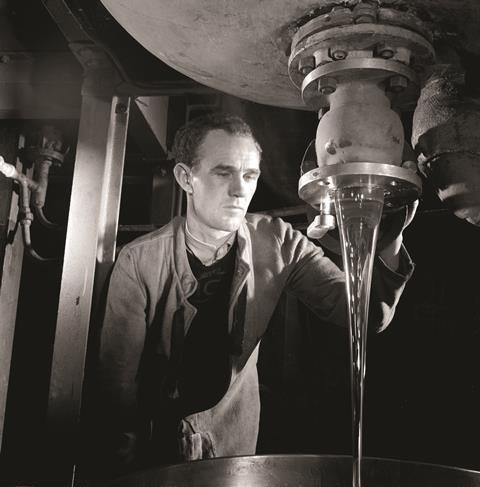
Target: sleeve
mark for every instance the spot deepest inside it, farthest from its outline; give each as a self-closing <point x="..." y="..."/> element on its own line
<point x="121" y="344"/>
<point x="320" y="283"/>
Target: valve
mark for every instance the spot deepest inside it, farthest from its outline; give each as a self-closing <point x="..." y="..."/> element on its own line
<point x="48" y="149"/>
<point x="357" y="66"/>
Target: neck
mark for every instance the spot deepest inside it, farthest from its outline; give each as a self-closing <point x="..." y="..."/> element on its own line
<point x="206" y="236"/>
<point x="205" y="251"/>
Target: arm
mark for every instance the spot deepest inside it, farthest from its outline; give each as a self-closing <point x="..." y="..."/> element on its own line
<point x="121" y="345"/>
<point x="320" y="283"/>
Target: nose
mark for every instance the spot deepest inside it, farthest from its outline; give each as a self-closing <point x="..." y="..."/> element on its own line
<point x="238" y="187"/>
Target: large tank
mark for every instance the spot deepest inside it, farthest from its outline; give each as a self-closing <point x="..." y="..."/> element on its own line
<point x="242" y="48"/>
<point x="300" y="471"/>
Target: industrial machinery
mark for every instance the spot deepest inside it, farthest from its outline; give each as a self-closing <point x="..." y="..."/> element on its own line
<point x="323" y="47"/>
<point x="397" y="110"/>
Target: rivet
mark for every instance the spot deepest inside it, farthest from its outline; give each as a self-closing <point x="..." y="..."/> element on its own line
<point x="120" y="108"/>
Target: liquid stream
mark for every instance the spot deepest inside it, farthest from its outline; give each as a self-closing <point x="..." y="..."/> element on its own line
<point x="358" y="210"/>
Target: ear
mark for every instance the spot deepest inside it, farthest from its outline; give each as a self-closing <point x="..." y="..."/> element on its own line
<point x="182" y="175"/>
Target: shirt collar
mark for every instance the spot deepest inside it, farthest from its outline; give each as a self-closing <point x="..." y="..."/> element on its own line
<point x="205" y="252"/>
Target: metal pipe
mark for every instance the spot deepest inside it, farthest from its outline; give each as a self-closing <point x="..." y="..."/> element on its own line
<point x="40" y="194"/>
<point x="26" y="221"/>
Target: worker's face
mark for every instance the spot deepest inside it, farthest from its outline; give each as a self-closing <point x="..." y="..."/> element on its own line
<point x="223" y="181"/>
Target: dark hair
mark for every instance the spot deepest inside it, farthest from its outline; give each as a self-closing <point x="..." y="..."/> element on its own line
<point x="189" y="137"/>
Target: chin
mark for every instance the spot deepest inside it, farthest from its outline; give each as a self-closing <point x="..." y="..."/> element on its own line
<point x="231" y="225"/>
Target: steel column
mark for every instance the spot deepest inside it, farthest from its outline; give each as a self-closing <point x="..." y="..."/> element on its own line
<point x="112" y="189"/>
<point x="90" y="246"/>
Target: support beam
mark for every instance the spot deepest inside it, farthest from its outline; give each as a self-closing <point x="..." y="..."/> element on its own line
<point x="90" y="240"/>
<point x="9" y="287"/>
<point x="111" y="196"/>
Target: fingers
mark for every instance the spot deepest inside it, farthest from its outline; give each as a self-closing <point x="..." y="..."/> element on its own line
<point x="411" y="211"/>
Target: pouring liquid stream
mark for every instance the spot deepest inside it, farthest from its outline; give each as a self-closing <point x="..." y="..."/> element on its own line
<point x="359" y="210"/>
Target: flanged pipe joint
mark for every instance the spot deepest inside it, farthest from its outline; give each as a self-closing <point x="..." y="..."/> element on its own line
<point x="353" y="65"/>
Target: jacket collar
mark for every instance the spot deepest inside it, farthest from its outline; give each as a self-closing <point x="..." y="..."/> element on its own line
<point x="244" y="255"/>
<point x="181" y="266"/>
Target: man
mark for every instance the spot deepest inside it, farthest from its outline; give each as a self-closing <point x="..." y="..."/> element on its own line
<point x="188" y="305"/>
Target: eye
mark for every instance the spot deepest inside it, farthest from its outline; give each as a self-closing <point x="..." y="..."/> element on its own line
<point x="251" y="177"/>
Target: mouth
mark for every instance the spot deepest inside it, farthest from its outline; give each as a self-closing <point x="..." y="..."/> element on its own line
<point x="234" y="208"/>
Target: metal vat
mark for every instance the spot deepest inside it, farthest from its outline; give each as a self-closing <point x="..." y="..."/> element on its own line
<point x="300" y="471"/>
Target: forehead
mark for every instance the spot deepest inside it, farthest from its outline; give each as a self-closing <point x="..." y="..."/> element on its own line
<point x="220" y="147"/>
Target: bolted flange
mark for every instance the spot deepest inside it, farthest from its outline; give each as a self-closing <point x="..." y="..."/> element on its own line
<point x="362" y="35"/>
<point x="401" y="186"/>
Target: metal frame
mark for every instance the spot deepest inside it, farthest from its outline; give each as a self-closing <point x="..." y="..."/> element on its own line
<point x="89" y="255"/>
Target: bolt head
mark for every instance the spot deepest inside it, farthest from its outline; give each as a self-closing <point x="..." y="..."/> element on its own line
<point x="397" y="84"/>
<point x="387" y="53"/>
<point x="365" y="19"/>
<point x="364" y="13"/>
<point x="327" y="90"/>
<point x="306" y="65"/>
<point x="327" y="86"/>
<point x="339" y="55"/>
<point x="330" y="147"/>
<point x="410" y="165"/>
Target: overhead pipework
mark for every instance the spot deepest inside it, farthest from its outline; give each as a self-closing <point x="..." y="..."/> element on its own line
<point x="353" y="65"/>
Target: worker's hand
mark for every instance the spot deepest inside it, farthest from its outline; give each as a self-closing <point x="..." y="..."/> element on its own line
<point x="394" y="223"/>
<point x="390" y="237"/>
<point x="411" y="212"/>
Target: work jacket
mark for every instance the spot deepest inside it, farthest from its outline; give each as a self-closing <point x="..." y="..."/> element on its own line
<point x="148" y="314"/>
